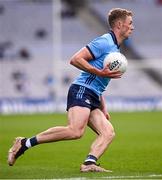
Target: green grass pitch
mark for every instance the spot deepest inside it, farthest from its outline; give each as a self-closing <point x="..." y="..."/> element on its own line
<point x="136" y="152"/>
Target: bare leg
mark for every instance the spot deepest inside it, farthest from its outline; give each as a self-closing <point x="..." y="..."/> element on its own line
<point x="77" y="121"/>
<point x="105" y="132"/>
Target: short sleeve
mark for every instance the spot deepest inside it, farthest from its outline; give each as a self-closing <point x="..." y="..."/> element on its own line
<point x="98" y="46"/>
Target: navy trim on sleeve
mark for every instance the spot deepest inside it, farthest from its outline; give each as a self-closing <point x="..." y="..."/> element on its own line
<point x="90" y="51"/>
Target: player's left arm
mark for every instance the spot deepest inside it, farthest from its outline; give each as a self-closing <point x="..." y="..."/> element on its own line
<point x="103" y="107"/>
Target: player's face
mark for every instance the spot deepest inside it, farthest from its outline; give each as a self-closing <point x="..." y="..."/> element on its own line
<point x="126" y="27"/>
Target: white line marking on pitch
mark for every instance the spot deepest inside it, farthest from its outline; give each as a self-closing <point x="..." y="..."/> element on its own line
<point x="123" y="177"/>
<point x="113" y="177"/>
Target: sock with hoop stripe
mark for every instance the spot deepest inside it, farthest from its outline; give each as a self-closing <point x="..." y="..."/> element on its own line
<point x="90" y="160"/>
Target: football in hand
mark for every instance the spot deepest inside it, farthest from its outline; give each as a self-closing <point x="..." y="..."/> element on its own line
<point x="116" y="61"/>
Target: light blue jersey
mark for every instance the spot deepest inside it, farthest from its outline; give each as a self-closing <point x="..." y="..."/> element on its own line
<point x="99" y="48"/>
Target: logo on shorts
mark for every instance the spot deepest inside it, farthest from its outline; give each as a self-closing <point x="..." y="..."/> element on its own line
<point x="87" y="101"/>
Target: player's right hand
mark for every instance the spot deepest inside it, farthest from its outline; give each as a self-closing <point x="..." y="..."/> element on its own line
<point x="106" y="72"/>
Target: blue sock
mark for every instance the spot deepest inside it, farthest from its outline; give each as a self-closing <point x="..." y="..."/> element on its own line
<point x="31" y="142"/>
<point x="90" y="160"/>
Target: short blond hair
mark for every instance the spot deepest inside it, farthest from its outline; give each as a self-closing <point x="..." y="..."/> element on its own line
<point x="116" y="14"/>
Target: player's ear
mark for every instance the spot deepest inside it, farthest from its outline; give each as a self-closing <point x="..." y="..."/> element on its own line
<point x="119" y="24"/>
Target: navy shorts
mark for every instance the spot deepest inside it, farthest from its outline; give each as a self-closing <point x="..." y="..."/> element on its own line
<point x="81" y="96"/>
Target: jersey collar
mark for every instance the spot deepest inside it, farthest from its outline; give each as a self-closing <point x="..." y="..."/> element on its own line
<point x="114" y="38"/>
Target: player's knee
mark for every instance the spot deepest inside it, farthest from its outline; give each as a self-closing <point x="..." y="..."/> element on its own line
<point x="112" y="134"/>
<point x="77" y="134"/>
<point x="109" y="134"/>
